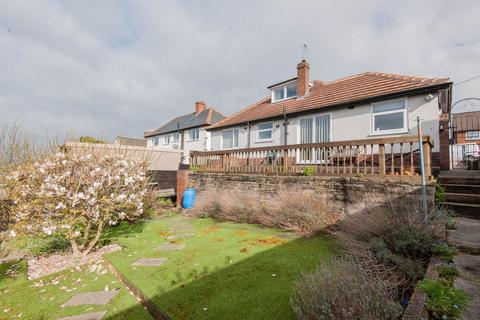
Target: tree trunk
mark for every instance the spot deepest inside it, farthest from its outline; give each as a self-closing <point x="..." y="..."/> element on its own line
<point x="86" y="234"/>
<point x="75" y="249"/>
<point x="94" y="240"/>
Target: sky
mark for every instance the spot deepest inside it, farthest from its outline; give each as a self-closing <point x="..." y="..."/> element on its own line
<point x="108" y="68"/>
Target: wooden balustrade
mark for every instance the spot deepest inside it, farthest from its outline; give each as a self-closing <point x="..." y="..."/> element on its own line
<point x="380" y="156"/>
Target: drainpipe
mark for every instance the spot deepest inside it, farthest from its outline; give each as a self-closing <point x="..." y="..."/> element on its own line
<point x="248" y="138"/>
<point x="285" y="124"/>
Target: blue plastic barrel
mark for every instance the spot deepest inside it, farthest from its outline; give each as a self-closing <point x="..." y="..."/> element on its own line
<point x="188" y="198"/>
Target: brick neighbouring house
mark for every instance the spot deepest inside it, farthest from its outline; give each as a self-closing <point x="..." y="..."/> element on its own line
<point x="362" y="106"/>
<point x="467" y="127"/>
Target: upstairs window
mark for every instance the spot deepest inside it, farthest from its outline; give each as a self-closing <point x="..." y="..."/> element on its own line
<point x="194" y="134"/>
<point x="230" y="139"/>
<point x="265" y="131"/>
<point x="473" y="135"/>
<point x="389" y="117"/>
<point x="285" y="91"/>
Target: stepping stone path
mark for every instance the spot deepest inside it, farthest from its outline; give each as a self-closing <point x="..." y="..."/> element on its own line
<point x="149" y="262"/>
<point x="170" y="246"/>
<point x="97" y="297"/>
<point x="86" y="316"/>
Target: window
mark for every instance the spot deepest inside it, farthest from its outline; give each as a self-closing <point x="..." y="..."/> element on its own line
<point x="155" y="140"/>
<point x="283" y="92"/>
<point x="176" y="137"/>
<point x="314" y="130"/>
<point x="166" y="139"/>
<point x="389" y="116"/>
<point x="194" y="134"/>
<point x="473" y="135"/>
<point x="265" y="131"/>
<point x="230" y="139"/>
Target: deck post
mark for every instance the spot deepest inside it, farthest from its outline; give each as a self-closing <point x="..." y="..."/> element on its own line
<point x="381" y="158"/>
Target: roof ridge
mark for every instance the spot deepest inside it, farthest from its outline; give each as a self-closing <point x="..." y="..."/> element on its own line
<point x="397" y="76"/>
<point x="241" y="111"/>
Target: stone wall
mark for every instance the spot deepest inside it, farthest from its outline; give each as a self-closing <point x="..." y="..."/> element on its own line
<point x="339" y="192"/>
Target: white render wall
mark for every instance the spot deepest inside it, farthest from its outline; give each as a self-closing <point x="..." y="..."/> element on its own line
<point x="346" y="124"/>
<point x="198" y="145"/>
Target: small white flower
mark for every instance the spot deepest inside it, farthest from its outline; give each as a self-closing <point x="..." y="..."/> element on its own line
<point x="12" y="234"/>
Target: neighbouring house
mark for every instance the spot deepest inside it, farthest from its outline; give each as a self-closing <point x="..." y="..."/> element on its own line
<point x="466" y="126"/>
<point x="134" y="142"/>
<point x="186" y="132"/>
<point x="362" y="106"/>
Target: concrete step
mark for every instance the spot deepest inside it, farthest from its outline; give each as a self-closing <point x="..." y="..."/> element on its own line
<point x="466" y="235"/>
<point x="466" y="198"/>
<point x="472" y="180"/>
<point x="461" y="188"/>
<point x="463" y="209"/>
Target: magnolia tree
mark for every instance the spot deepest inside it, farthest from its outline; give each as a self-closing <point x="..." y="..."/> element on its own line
<point x="75" y="195"/>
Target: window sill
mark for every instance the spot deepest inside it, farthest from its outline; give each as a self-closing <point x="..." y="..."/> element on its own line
<point x="280" y="100"/>
<point x="263" y="141"/>
<point x="386" y="133"/>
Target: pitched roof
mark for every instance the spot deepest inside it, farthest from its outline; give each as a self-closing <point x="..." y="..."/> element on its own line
<point x="466" y="121"/>
<point x="127" y="141"/>
<point x="363" y="86"/>
<point x="205" y="118"/>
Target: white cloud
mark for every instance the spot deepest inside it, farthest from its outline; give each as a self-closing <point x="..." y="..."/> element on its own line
<point x="118" y="67"/>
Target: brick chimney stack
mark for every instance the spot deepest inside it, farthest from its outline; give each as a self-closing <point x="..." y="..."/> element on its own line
<point x="200" y="106"/>
<point x="303" y="70"/>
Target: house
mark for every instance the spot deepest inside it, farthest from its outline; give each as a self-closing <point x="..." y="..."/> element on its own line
<point x="127" y="141"/>
<point x="186" y="132"/>
<point x="362" y="106"/>
<point x="466" y="126"/>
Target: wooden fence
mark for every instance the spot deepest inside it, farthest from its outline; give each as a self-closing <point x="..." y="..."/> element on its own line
<point x="381" y="156"/>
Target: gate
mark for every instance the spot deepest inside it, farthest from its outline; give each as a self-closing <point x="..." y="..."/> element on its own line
<point x="465" y="140"/>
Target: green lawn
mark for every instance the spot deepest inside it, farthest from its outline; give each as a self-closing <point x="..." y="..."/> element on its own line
<point x="42" y="298"/>
<point x="226" y="271"/>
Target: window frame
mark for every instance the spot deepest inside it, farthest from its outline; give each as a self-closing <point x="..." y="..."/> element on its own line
<point x="284" y="87"/>
<point x="190" y="134"/>
<point x="472" y="138"/>
<point x="264" y="130"/>
<point x="166" y="139"/>
<point x="373" y="114"/>
<point x="314" y="134"/>
<point x="176" y="137"/>
<point x="155" y="141"/>
<point x="233" y="139"/>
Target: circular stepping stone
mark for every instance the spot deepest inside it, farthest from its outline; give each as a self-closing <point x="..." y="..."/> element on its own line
<point x="149" y="262"/>
<point x="180" y="236"/>
<point x="170" y="246"/>
<point x="97" y="297"/>
<point x="86" y="316"/>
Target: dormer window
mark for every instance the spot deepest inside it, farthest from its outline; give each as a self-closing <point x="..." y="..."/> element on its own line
<point x="284" y="91"/>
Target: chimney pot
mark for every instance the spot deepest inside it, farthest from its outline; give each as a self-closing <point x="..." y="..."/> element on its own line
<point x="200" y="106"/>
<point x="303" y="70"/>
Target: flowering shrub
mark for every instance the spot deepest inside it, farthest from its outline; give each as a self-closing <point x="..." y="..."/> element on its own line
<point x="75" y="196"/>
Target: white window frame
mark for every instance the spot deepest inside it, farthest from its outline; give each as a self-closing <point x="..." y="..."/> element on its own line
<point x="166" y="139"/>
<point x="477" y="137"/>
<point x="190" y="136"/>
<point x="314" y="134"/>
<point x="176" y="137"/>
<point x="284" y="86"/>
<point x="233" y="139"/>
<point x="155" y="141"/>
<point x="404" y="129"/>
<point x="264" y="130"/>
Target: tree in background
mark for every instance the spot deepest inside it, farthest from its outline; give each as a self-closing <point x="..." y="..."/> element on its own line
<point x="88" y="139"/>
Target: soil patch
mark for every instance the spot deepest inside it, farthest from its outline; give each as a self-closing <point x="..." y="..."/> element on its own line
<point x="241" y="233"/>
<point x="269" y="241"/>
<point x="210" y="229"/>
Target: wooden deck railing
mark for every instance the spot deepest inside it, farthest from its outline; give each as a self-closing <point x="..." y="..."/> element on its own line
<point x="381" y="156"/>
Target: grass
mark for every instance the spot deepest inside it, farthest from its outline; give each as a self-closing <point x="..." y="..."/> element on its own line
<point x="227" y="270"/>
<point x="42" y="298"/>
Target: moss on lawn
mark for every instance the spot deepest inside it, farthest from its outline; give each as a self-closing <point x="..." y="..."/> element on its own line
<point x="226" y="271"/>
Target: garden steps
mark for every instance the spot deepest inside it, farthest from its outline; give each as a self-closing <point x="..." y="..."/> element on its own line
<point x="466" y="236"/>
<point x="462" y="192"/>
<point x="463" y="209"/>
<point x="466" y="198"/>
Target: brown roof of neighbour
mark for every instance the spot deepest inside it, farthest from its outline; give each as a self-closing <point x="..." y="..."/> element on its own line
<point x="127" y="141"/>
<point x="355" y="88"/>
<point x="466" y="121"/>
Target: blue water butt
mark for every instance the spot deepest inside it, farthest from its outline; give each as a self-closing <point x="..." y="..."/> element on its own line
<point x="188" y="198"/>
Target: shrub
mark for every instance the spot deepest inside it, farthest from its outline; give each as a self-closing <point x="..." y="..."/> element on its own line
<point x="75" y="196"/>
<point x="395" y="234"/>
<point x="42" y="244"/>
<point x="445" y="251"/>
<point x="304" y="213"/>
<point x="87" y="139"/>
<point x="443" y="301"/>
<point x="448" y="273"/>
<point x="439" y="193"/>
<point x="342" y="289"/>
<point x="308" y="171"/>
